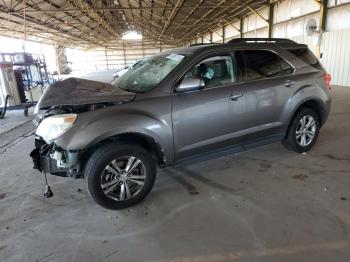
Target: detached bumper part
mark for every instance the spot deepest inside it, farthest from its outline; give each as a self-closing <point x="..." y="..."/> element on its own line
<point x="56" y="161"/>
<point x="35" y="155"/>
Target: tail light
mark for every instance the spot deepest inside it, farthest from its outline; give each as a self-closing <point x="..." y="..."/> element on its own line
<point x="327" y="78"/>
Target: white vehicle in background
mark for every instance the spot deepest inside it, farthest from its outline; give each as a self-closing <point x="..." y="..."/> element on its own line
<point x="122" y="71"/>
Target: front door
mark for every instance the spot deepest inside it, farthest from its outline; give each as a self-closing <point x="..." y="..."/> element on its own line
<point x="205" y="119"/>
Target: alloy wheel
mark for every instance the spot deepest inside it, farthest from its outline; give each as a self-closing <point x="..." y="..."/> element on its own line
<point x="123" y="178"/>
<point x="305" y="131"/>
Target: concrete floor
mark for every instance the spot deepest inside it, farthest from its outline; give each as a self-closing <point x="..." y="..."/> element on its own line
<point x="266" y="204"/>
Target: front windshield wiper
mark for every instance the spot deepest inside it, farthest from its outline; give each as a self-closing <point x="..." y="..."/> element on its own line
<point x="131" y="90"/>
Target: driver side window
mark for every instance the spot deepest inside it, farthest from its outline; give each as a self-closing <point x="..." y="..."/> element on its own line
<point x="215" y="71"/>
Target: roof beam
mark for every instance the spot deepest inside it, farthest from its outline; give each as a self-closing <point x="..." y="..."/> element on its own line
<point x="77" y="30"/>
<point x="86" y="9"/>
<point x="72" y="16"/>
<point x="231" y="24"/>
<point x="39" y="24"/>
<point x="123" y="8"/>
<point x="258" y="14"/>
<point x="36" y="30"/>
<point x="232" y="16"/>
<point x="189" y="14"/>
<point x="189" y="32"/>
<point x="171" y="16"/>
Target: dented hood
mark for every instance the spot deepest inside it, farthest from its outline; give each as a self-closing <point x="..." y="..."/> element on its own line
<point x="76" y="91"/>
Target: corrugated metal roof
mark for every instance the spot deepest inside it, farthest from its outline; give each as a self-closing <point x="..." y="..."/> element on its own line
<point x="88" y="23"/>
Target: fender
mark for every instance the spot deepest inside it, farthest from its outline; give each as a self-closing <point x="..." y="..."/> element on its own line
<point x="304" y="95"/>
<point x="93" y="127"/>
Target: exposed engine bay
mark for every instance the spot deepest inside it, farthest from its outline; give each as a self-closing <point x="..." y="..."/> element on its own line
<point x="66" y="109"/>
<point x="53" y="159"/>
<point x="70" y="98"/>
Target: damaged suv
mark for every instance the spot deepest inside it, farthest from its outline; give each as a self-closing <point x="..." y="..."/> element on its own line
<point x="192" y="102"/>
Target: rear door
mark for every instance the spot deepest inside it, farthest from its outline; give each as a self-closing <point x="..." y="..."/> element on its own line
<point x="266" y="86"/>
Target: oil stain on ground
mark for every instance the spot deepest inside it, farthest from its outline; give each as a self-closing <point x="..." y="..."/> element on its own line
<point x="2" y="195"/>
<point x="265" y="164"/>
<point x="300" y="176"/>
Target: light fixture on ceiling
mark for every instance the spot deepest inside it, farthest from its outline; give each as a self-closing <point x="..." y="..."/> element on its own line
<point x="132" y="35"/>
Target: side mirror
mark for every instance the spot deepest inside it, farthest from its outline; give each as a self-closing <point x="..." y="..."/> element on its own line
<point x="190" y="84"/>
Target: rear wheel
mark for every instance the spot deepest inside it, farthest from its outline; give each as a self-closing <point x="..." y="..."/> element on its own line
<point x="120" y="175"/>
<point x="303" y="131"/>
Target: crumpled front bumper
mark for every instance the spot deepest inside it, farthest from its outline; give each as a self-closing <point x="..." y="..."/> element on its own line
<point x="44" y="161"/>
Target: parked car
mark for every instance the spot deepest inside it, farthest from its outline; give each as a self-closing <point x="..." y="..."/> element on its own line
<point x="123" y="70"/>
<point x="178" y="106"/>
<point x="120" y="72"/>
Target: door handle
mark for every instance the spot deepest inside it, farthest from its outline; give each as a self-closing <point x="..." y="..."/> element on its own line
<point x="235" y="96"/>
<point x="289" y="83"/>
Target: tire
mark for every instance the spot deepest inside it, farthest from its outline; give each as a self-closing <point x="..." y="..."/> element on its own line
<point x="108" y="164"/>
<point x="294" y="141"/>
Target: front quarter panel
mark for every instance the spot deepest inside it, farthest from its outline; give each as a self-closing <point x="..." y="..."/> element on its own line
<point x="150" y="116"/>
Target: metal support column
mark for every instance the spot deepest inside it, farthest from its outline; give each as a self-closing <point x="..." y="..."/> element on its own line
<point x="24" y="25"/>
<point x="271" y="13"/>
<point x="143" y="49"/>
<point x="323" y="23"/>
<point x="241" y="27"/>
<point x="223" y="34"/>
<point x="106" y="58"/>
<point x="323" y="15"/>
<point x="124" y="56"/>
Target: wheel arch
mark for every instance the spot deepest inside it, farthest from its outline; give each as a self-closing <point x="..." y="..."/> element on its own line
<point x="315" y="104"/>
<point x="145" y="141"/>
<point x="311" y="103"/>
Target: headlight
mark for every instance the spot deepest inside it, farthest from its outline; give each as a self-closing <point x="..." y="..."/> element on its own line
<point x="54" y="126"/>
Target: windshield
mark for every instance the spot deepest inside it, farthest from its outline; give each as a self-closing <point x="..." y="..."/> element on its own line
<point x="146" y="74"/>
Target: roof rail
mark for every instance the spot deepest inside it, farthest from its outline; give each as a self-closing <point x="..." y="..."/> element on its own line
<point x="204" y="44"/>
<point x="262" y="40"/>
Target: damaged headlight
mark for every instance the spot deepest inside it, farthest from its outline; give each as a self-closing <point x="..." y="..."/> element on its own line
<point x="54" y="126"/>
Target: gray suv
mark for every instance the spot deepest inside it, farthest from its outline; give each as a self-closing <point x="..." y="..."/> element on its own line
<point x="178" y="106"/>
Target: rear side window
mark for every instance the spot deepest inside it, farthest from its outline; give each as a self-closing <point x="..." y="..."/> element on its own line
<point x="306" y="56"/>
<point x="260" y="64"/>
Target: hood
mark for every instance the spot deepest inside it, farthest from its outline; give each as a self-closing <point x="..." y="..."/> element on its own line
<point x="76" y="91"/>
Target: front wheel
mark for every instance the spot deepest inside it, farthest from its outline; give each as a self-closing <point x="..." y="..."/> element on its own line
<point x="120" y="175"/>
<point x="303" y="131"/>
